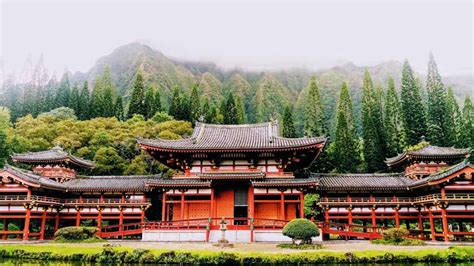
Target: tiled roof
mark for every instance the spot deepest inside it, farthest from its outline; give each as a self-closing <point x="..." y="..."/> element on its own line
<point x="33" y="179"/>
<point x="178" y="182"/>
<point x="209" y="137"/>
<point x="429" y="152"/>
<point x="386" y="181"/>
<point x="232" y="175"/>
<point x="287" y="182"/>
<point x="56" y="154"/>
<point x="445" y="173"/>
<point x="110" y="183"/>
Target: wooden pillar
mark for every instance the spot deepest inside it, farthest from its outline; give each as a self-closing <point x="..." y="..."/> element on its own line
<point x="99" y="218"/>
<point x="78" y="217"/>
<point x="181" y="217"/>
<point x="43" y="224"/>
<point x="26" y="228"/>
<point x="432" y="226"/>
<point x="251" y="211"/>
<point x="5" y="228"/>
<point x="142" y="218"/>
<point x="445" y="224"/>
<point x="282" y="205"/>
<point x="397" y="217"/>
<point x="163" y="207"/>
<point x="56" y="222"/>
<point x="420" y="221"/>
<point x="211" y="207"/>
<point x="374" y="221"/>
<point x="301" y="204"/>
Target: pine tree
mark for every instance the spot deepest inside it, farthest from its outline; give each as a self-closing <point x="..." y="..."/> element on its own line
<point x="96" y="108"/>
<point x="149" y="103"/>
<point x="4" y="148"/>
<point x="206" y="108"/>
<point x="345" y="148"/>
<point x="413" y="113"/>
<point x="454" y="114"/>
<point x="194" y="105"/>
<point x="157" y="101"/>
<point x="175" y="103"/>
<point x="108" y="94"/>
<point x="63" y="93"/>
<point x="240" y="110"/>
<point x="466" y="136"/>
<point x="393" y="121"/>
<point x="74" y="99"/>
<point x="230" y="110"/>
<point x="212" y="116"/>
<point x="289" y="130"/>
<point x="118" y="108"/>
<point x="440" y="126"/>
<point x="84" y="104"/>
<point x="314" y="122"/>
<point x="137" y="100"/>
<point x="372" y="127"/>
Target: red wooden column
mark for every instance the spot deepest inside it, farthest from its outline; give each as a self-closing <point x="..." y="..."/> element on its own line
<point x="372" y="215"/>
<point x="99" y="210"/>
<point x="212" y="204"/>
<point x="56" y="222"/>
<point x="26" y="228"/>
<point x="444" y="217"/>
<point x="181" y="217"/>
<point x="432" y="227"/>
<point x="420" y="223"/>
<point x="251" y="211"/>
<point x="301" y="204"/>
<point x="397" y="217"/>
<point x="5" y="228"/>
<point x="78" y="212"/>
<point x="163" y="207"/>
<point x="43" y="223"/>
<point x="142" y="217"/>
<point x="122" y="200"/>
<point x="282" y="205"/>
<point x="349" y="212"/>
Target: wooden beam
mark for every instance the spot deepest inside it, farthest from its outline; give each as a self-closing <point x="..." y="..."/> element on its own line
<point x="301" y="204"/>
<point x="432" y="227"/>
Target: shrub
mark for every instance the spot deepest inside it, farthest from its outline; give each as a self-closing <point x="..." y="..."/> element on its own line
<point x="395" y="234"/>
<point x="76" y="233"/>
<point x="301" y="229"/>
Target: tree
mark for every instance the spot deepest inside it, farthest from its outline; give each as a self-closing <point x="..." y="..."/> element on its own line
<point x="393" y="121"/>
<point x="194" y="105"/>
<point x="240" y="110"/>
<point x="108" y="161"/>
<point x="84" y="102"/>
<point x="346" y="152"/>
<point x="230" y="110"/>
<point x="137" y="100"/>
<point x="413" y="113"/>
<point x="108" y="93"/>
<point x="454" y="114"/>
<point x="212" y="116"/>
<point x="372" y="126"/>
<point x="74" y="99"/>
<point x="440" y="126"/>
<point x="118" y="108"/>
<point x="157" y="102"/>
<point x="4" y="147"/>
<point x="467" y="127"/>
<point x="175" y="103"/>
<point x="314" y="122"/>
<point x="63" y="94"/>
<point x="289" y="130"/>
<point x="149" y="103"/>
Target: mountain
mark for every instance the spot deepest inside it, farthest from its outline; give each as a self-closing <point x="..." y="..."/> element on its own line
<point x="264" y="93"/>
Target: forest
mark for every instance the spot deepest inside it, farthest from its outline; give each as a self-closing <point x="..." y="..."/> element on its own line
<point x="100" y="120"/>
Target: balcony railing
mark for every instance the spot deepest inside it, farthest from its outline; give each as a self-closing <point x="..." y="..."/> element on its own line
<point x="86" y="201"/>
<point x="397" y="200"/>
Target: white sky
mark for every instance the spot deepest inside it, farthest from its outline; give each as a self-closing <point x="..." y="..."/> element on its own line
<point x="249" y="34"/>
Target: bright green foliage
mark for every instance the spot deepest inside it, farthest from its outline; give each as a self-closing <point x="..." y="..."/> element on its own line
<point x="83" y="112"/>
<point x="372" y="127"/>
<point x="230" y="110"/>
<point x="466" y="138"/>
<point x="149" y="103"/>
<point x="108" y="161"/>
<point x="289" y="130"/>
<point x="160" y="117"/>
<point x="137" y="100"/>
<point x="118" y="108"/>
<point x="64" y="91"/>
<point x="413" y="112"/>
<point x="271" y="97"/>
<point x="61" y="113"/>
<point x="194" y="105"/>
<point x="75" y="233"/>
<point x="454" y="114"/>
<point x="5" y="117"/>
<point x="440" y="125"/>
<point x="314" y="122"/>
<point x="240" y="117"/>
<point x="393" y="121"/>
<point x="4" y="147"/>
<point x="212" y="116"/>
<point x="137" y="166"/>
<point x="301" y="229"/>
<point x="179" y="108"/>
<point x="310" y="205"/>
<point x="395" y="234"/>
<point x="346" y="152"/>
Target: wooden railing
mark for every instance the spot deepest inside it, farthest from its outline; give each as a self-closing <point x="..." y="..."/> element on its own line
<point x="24" y="198"/>
<point x="397" y="200"/>
<point x="214" y="224"/>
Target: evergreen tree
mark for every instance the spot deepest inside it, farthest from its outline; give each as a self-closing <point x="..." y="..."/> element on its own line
<point x="194" y="105"/>
<point x="230" y="110"/>
<point x="413" y="113"/>
<point x="137" y="100"/>
<point x="212" y="116"/>
<point x="175" y="103"/>
<point x="96" y="107"/>
<point x="157" y="101"/>
<point x="440" y="126"/>
<point x="206" y="108"/>
<point x="118" y="109"/>
<point x="454" y="114"/>
<point x="289" y="130"/>
<point x="466" y="136"/>
<point x="83" y="113"/>
<point x="108" y="93"/>
<point x="4" y="148"/>
<point x="149" y="103"/>
<point x="63" y="93"/>
<point x="240" y="111"/>
<point x="372" y="126"/>
<point x="74" y="99"/>
<point x="393" y="121"/>
<point x="345" y="148"/>
<point x="183" y="109"/>
<point x="314" y="122"/>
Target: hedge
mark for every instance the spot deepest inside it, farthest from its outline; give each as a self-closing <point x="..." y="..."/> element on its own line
<point x="113" y="255"/>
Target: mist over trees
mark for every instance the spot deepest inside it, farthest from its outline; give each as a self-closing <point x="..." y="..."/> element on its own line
<point x="365" y="125"/>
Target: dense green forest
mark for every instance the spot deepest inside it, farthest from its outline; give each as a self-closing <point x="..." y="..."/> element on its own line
<point x="367" y="119"/>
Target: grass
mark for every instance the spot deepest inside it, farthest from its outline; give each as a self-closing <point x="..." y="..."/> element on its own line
<point x="301" y="246"/>
<point x="404" y="242"/>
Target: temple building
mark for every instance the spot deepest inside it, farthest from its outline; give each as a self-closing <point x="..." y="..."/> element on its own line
<point x="247" y="177"/>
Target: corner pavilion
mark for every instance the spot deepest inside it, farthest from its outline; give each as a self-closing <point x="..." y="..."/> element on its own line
<point x="247" y="175"/>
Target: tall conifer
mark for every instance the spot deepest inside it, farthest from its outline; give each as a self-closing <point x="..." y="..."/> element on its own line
<point x="314" y="122"/>
<point x="289" y="130"/>
<point x="137" y="100"/>
<point x="392" y="121"/>
<point x="454" y="114"/>
<point x="74" y="102"/>
<point x="149" y="103"/>
<point x="64" y="92"/>
<point x="230" y="110"/>
<point x="118" y="108"/>
<point x="83" y="112"/>
<point x="240" y="110"/>
<point x="466" y="138"/>
<point x="194" y="105"/>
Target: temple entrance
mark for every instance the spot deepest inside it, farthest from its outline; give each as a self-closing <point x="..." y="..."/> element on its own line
<point x="240" y="205"/>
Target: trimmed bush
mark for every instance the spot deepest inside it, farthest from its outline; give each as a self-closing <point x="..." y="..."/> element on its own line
<point x="301" y="229"/>
<point x="395" y="234"/>
<point x="76" y="233"/>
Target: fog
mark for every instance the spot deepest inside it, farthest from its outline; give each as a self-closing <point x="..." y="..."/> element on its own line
<point x="253" y="35"/>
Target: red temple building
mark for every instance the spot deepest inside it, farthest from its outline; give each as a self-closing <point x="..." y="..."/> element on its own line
<point x="247" y="176"/>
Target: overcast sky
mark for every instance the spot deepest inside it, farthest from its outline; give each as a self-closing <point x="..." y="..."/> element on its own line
<point x="248" y="34"/>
